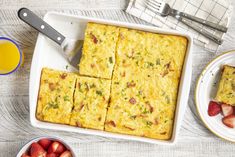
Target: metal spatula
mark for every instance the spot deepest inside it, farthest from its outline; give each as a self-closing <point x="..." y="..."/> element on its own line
<point x="71" y="48"/>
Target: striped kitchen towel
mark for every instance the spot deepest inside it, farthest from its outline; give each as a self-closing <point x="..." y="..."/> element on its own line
<point x="218" y="11"/>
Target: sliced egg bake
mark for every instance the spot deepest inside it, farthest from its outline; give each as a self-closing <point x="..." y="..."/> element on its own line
<point x="226" y="90"/>
<point x="130" y="85"/>
<point x="144" y="89"/>
<point x="55" y="98"/>
<point x="68" y="98"/>
<point x="98" y="55"/>
<point x="90" y="102"/>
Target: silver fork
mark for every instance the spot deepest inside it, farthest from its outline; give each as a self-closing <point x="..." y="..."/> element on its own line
<point x="164" y="9"/>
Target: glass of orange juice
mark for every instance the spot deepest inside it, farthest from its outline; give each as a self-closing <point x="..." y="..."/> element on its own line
<point x="11" y="56"/>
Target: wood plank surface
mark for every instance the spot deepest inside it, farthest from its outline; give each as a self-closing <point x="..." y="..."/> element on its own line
<point x="15" y="128"/>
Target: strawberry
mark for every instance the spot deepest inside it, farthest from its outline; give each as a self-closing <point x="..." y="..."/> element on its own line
<point x="227" y="109"/>
<point x="52" y="155"/>
<point x="36" y="150"/>
<point x="213" y="108"/>
<point x="45" y="143"/>
<point x="234" y="109"/>
<point x="56" y="147"/>
<point x="25" y="155"/>
<point x="66" y="154"/>
<point x="229" y="121"/>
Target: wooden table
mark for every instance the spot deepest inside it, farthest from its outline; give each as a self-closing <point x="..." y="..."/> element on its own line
<point x="15" y="128"/>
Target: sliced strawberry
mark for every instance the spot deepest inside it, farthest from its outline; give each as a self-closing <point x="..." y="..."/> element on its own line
<point x="37" y="150"/>
<point x="45" y="143"/>
<point x="66" y="153"/>
<point x="227" y="109"/>
<point x="25" y="155"/>
<point x="229" y="121"/>
<point x="56" y="147"/>
<point x="213" y="108"/>
<point x="52" y="155"/>
<point x="233" y="109"/>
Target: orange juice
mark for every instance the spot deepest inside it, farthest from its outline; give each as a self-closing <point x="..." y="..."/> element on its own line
<point x="10" y="56"/>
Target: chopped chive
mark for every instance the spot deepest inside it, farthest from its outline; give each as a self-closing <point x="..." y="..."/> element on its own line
<point x="151" y="64"/>
<point x="158" y="61"/>
<point x="145" y="111"/>
<point x="52" y="105"/>
<point x="66" y="67"/>
<point x="167" y="99"/>
<point x="66" y="98"/>
<point x="92" y="86"/>
<point x="99" y="92"/>
<point x="148" y="123"/>
<point x="110" y="60"/>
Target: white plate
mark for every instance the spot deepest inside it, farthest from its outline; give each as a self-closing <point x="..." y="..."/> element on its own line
<point x="48" y="54"/>
<point x="205" y="92"/>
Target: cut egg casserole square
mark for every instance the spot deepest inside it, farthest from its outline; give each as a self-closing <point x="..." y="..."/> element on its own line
<point x="90" y="102"/>
<point x="55" y="98"/>
<point x="98" y="55"/>
<point x="226" y="90"/>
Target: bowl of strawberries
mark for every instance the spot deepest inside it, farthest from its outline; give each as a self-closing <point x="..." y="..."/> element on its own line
<point x="46" y="147"/>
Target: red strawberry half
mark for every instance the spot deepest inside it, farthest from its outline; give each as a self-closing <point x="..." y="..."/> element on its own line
<point x="45" y="143"/>
<point x="229" y="121"/>
<point x="227" y="109"/>
<point x="36" y="150"/>
<point x="52" y="155"/>
<point x="56" y="147"/>
<point x="66" y="154"/>
<point x="25" y="155"/>
<point x="213" y="108"/>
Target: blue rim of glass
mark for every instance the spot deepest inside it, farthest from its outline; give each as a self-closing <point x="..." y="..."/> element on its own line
<point x="19" y="50"/>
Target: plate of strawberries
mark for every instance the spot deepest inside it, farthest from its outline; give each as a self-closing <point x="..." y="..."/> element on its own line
<point x="215" y="96"/>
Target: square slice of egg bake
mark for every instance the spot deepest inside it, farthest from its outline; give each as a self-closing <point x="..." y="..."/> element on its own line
<point x="90" y="102"/>
<point x="68" y="98"/>
<point x="98" y="54"/>
<point x="226" y="91"/>
<point x="145" y="84"/>
<point x="55" y="98"/>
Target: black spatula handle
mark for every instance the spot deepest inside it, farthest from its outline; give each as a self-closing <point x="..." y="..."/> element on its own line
<point x="33" y="20"/>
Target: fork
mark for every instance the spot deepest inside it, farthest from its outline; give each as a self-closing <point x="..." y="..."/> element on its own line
<point x="164" y="10"/>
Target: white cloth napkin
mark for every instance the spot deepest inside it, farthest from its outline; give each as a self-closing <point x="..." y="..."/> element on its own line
<point x="218" y="11"/>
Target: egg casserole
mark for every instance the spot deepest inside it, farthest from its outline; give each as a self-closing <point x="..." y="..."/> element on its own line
<point x="132" y="86"/>
<point x="55" y="98"/>
<point x="90" y="102"/>
<point x="98" y="55"/>
<point x="145" y="84"/>
<point x="226" y="90"/>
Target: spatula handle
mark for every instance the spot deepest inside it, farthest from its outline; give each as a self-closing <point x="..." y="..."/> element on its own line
<point x="33" y="20"/>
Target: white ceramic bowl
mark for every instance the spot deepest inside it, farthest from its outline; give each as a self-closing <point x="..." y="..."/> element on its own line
<point x="27" y="145"/>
